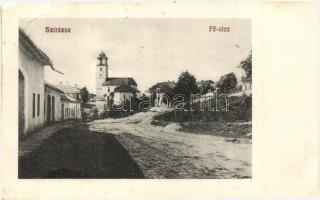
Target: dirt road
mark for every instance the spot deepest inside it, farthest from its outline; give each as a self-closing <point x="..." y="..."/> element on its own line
<point x="164" y="152"/>
<point x="76" y="152"/>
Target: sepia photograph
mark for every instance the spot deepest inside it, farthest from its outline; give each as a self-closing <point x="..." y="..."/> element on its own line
<point x="135" y="98"/>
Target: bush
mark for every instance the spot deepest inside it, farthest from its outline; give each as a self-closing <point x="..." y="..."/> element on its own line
<point x="240" y="109"/>
<point x="126" y="112"/>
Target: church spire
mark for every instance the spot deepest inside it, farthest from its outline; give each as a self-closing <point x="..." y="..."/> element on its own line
<point x="101" y="73"/>
<point x="103" y="59"/>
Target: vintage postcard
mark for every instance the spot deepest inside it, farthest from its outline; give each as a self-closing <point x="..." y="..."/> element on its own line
<point x="148" y="100"/>
<point x="172" y="99"/>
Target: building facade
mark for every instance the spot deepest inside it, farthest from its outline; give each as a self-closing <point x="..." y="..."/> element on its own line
<point x="31" y="85"/>
<point x="124" y="93"/>
<point x="246" y="83"/>
<point x="71" y="101"/>
<point x="40" y="103"/>
<point x="53" y="104"/>
<point x="159" y="93"/>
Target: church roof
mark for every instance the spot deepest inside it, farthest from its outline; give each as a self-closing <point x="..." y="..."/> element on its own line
<point x="120" y="81"/>
<point x="125" y="88"/>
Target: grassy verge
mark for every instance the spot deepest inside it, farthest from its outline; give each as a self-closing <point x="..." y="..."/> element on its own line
<point x="234" y="130"/>
<point x="233" y="123"/>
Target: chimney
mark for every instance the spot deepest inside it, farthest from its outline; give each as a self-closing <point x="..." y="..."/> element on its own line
<point x="75" y="85"/>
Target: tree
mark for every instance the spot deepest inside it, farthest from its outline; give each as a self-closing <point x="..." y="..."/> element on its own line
<point x="227" y="83"/>
<point x="246" y="65"/>
<point x="186" y="85"/>
<point x="84" y="94"/>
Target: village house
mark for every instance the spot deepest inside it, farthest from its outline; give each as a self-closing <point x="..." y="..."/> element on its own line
<point x="123" y="93"/>
<point x="246" y="83"/>
<point x="72" y="101"/>
<point x="31" y="85"/>
<point x="40" y="102"/>
<point x="205" y="82"/>
<point x="158" y="91"/>
<point x="205" y="86"/>
<point x="61" y="105"/>
<point x="70" y="91"/>
<point x="52" y="99"/>
<point x="111" y="88"/>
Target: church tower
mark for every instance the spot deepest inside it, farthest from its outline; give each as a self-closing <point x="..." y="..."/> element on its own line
<point x="101" y="73"/>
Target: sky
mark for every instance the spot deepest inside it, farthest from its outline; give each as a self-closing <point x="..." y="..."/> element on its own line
<point x="149" y="50"/>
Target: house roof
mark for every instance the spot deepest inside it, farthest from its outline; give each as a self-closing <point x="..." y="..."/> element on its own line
<point x="49" y="85"/>
<point x="206" y="82"/>
<point x="247" y="79"/>
<point x="32" y="50"/>
<point x="125" y="88"/>
<point x="162" y="87"/>
<point x="68" y="98"/>
<point x="120" y="81"/>
<point x="28" y="46"/>
<point x="63" y="97"/>
<point x="68" y="89"/>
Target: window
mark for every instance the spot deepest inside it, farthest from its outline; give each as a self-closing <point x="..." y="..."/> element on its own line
<point x="100" y="69"/>
<point x="33" y="105"/>
<point x="38" y="106"/>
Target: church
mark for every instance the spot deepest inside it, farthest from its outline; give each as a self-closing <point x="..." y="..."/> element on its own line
<point x="117" y="89"/>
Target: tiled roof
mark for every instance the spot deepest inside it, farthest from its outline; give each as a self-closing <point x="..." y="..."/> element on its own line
<point x="125" y="88"/>
<point x="64" y="98"/>
<point x="162" y="87"/>
<point x="68" y="89"/>
<point x="68" y="98"/>
<point x="120" y="81"/>
<point x="49" y="85"/>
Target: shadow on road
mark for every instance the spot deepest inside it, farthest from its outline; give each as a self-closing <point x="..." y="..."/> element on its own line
<point x="79" y="153"/>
